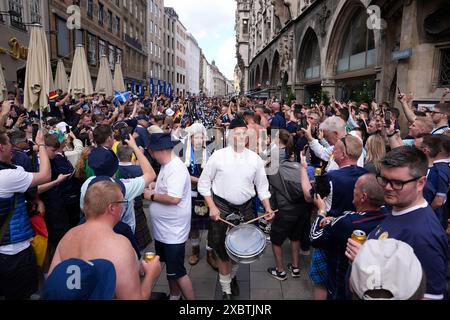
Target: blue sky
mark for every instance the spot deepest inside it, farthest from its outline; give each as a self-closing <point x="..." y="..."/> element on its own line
<point x="212" y="24"/>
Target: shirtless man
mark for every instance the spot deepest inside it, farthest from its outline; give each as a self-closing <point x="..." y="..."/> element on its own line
<point x="95" y="239"/>
<point x="253" y="131"/>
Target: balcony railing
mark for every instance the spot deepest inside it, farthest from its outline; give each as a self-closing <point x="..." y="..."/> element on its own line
<point x="134" y="42"/>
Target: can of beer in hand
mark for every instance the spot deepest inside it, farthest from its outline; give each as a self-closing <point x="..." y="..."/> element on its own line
<point x="359" y="236"/>
<point x="318" y="172"/>
<point x="149" y="256"/>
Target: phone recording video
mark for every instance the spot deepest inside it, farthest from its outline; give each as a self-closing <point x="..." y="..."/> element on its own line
<point x="387" y="119"/>
<point x="303" y="123"/>
<point x="35" y="129"/>
<point x="124" y="135"/>
<point x="321" y="186"/>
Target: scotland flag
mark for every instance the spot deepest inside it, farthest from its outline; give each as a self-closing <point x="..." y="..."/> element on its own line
<point x="121" y="97"/>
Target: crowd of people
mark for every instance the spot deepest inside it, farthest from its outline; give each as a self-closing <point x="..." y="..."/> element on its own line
<point x="86" y="165"/>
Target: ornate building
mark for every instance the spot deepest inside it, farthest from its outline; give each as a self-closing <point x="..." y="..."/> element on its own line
<point x="15" y="18"/>
<point x="348" y="48"/>
<point x="156" y="40"/>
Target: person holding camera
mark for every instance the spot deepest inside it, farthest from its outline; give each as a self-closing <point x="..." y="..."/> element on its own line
<point x="332" y="233"/>
<point x="334" y="187"/>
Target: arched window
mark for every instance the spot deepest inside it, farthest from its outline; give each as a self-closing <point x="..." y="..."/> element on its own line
<point x="312" y="59"/>
<point x="358" y="51"/>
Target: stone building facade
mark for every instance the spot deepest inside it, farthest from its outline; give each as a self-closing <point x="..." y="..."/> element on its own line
<point x="180" y="58"/>
<point x="193" y="66"/>
<point x="100" y="33"/>
<point x="135" y="60"/>
<point x="15" y="35"/>
<point x="155" y="40"/>
<point x="351" y="49"/>
<point x="170" y="18"/>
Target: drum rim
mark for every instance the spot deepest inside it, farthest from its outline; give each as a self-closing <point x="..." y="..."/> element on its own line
<point x="243" y="256"/>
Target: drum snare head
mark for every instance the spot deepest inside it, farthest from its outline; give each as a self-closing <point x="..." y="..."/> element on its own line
<point x="245" y="241"/>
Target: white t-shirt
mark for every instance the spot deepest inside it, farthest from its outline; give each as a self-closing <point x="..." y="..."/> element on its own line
<point x="14" y="181"/>
<point x="170" y="223"/>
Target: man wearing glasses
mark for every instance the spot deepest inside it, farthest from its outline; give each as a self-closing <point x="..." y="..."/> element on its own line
<point x="412" y="220"/>
<point x="96" y="239"/>
<point x="440" y="118"/>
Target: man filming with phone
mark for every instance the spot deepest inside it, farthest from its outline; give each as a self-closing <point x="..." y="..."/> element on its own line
<point x="418" y="126"/>
<point x="338" y="199"/>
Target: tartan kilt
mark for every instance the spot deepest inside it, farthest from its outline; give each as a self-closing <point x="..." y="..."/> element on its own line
<point x="218" y="230"/>
<point x="142" y="232"/>
<point x="318" y="271"/>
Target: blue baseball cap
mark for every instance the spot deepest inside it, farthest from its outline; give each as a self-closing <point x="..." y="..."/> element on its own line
<point x="76" y="279"/>
<point x="103" y="162"/>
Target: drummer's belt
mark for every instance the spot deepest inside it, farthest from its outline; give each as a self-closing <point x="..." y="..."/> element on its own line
<point x="234" y="213"/>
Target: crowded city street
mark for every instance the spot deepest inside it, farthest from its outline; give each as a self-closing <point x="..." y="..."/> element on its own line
<point x="227" y="150"/>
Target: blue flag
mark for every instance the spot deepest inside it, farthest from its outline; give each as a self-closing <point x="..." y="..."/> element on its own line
<point x="121" y="97"/>
<point x="165" y="88"/>
<point x="159" y="87"/>
<point x="152" y="88"/>
<point x="169" y="91"/>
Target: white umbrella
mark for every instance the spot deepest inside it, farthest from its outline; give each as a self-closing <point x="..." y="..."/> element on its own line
<point x="118" y="78"/>
<point x="104" y="79"/>
<point x="3" y="89"/>
<point x="80" y="77"/>
<point x="61" y="81"/>
<point x="37" y="72"/>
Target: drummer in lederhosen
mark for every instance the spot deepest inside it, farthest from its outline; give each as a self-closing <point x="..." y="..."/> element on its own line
<point x="228" y="184"/>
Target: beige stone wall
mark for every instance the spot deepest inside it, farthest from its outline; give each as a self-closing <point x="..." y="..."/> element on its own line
<point x="328" y="21"/>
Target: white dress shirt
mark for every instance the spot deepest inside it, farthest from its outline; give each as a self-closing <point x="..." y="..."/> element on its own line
<point x="233" y="176"/>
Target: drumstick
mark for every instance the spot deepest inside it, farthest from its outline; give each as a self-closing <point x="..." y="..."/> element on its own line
<point x="227" y="222"/>
<point x="263" y="216"/>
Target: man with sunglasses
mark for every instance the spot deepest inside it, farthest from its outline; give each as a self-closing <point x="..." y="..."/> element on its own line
<point x="412" y="220"/>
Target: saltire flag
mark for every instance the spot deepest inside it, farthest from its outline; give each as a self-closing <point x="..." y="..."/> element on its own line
<point x="121" y="97"/>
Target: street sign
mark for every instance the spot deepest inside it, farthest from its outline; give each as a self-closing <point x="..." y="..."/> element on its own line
<point x="403" y="54"/>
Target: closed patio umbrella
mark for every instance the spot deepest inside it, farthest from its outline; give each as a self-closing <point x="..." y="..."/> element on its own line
<point x="38" y="77"/>
<point x="118" y="78"/>
<point x="80" y="77"/>
<point x="3" y="89"/>
<point x="61" y="81"/>
<point x="104" y="83"/>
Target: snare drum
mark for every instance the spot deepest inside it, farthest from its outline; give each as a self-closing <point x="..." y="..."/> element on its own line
<point x="245" y="243"/>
